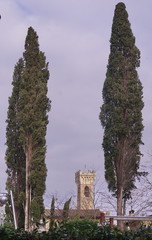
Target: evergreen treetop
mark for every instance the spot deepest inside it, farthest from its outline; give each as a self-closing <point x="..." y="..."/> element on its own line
<point x="121" y="112"/>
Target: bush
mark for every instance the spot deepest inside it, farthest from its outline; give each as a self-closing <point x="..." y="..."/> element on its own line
<point x="89" y="230"/>
<point x="77" y="230"/>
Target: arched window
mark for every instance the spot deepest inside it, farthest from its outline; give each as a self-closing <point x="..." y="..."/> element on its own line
<point x="86" y="191"/>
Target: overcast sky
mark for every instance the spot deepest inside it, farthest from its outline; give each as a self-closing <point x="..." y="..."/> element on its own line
<point x="74" y="34"/>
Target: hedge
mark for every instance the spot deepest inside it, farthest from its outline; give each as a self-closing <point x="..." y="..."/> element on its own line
<point x="77" y="230"/>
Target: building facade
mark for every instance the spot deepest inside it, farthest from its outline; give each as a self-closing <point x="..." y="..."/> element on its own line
<point x="85" y="189"/>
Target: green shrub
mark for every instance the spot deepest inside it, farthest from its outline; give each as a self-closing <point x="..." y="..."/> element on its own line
<point x="74" y="230"/>
<point x="77" y="230"/>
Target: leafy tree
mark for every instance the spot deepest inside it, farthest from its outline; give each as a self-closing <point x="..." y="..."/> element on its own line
<point x="52" y="212"/>
<point x="121" y="115"/>
<point x="15" y="157"/>
<point x="26" y="130"/>
<point x="33" y="119"/>
<point x="66" y="208"/>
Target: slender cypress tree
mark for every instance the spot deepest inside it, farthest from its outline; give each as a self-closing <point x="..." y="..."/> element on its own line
<point x="121" y="115"/>
<point x="66" y="208"/>
<point x="15" y="157"/>
<point x="52" y="212"/>
<point x="33" y="119"/>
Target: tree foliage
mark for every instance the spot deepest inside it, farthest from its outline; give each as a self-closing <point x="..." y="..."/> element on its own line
<point x="66" y="208"/>
<point x="52" y="213"/>
<point x="15" y="156"/>
<point x="52" y="210"/>
<point x="121" y="112"/>
<point x="78" y="229"/>
<point x="31" y="118"/>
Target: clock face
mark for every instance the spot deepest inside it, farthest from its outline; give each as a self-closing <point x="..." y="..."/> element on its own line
<point x="86" y="191"/>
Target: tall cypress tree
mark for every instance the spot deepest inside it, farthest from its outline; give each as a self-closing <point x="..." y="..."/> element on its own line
<point x="33" y="119"/>
<point x="15" y="157"/>
<point x="121" y="115"/>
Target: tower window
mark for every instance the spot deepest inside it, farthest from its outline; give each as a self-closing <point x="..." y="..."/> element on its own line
<point x="86" y="191"/>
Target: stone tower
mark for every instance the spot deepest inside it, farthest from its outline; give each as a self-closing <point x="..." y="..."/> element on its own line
<point x="85" y="189"/>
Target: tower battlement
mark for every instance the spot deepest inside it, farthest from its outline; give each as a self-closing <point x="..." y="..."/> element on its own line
<point x="85" y="189"/>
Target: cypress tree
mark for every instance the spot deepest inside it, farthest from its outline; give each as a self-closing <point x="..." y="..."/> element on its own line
<point x="33" y="119"/>
<point x="15" y="157"/>
<point x="121" y="112"/>
<point x="52" y="213"/>
<point x="52" y="210"/>
<point x="66" y="208"/>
